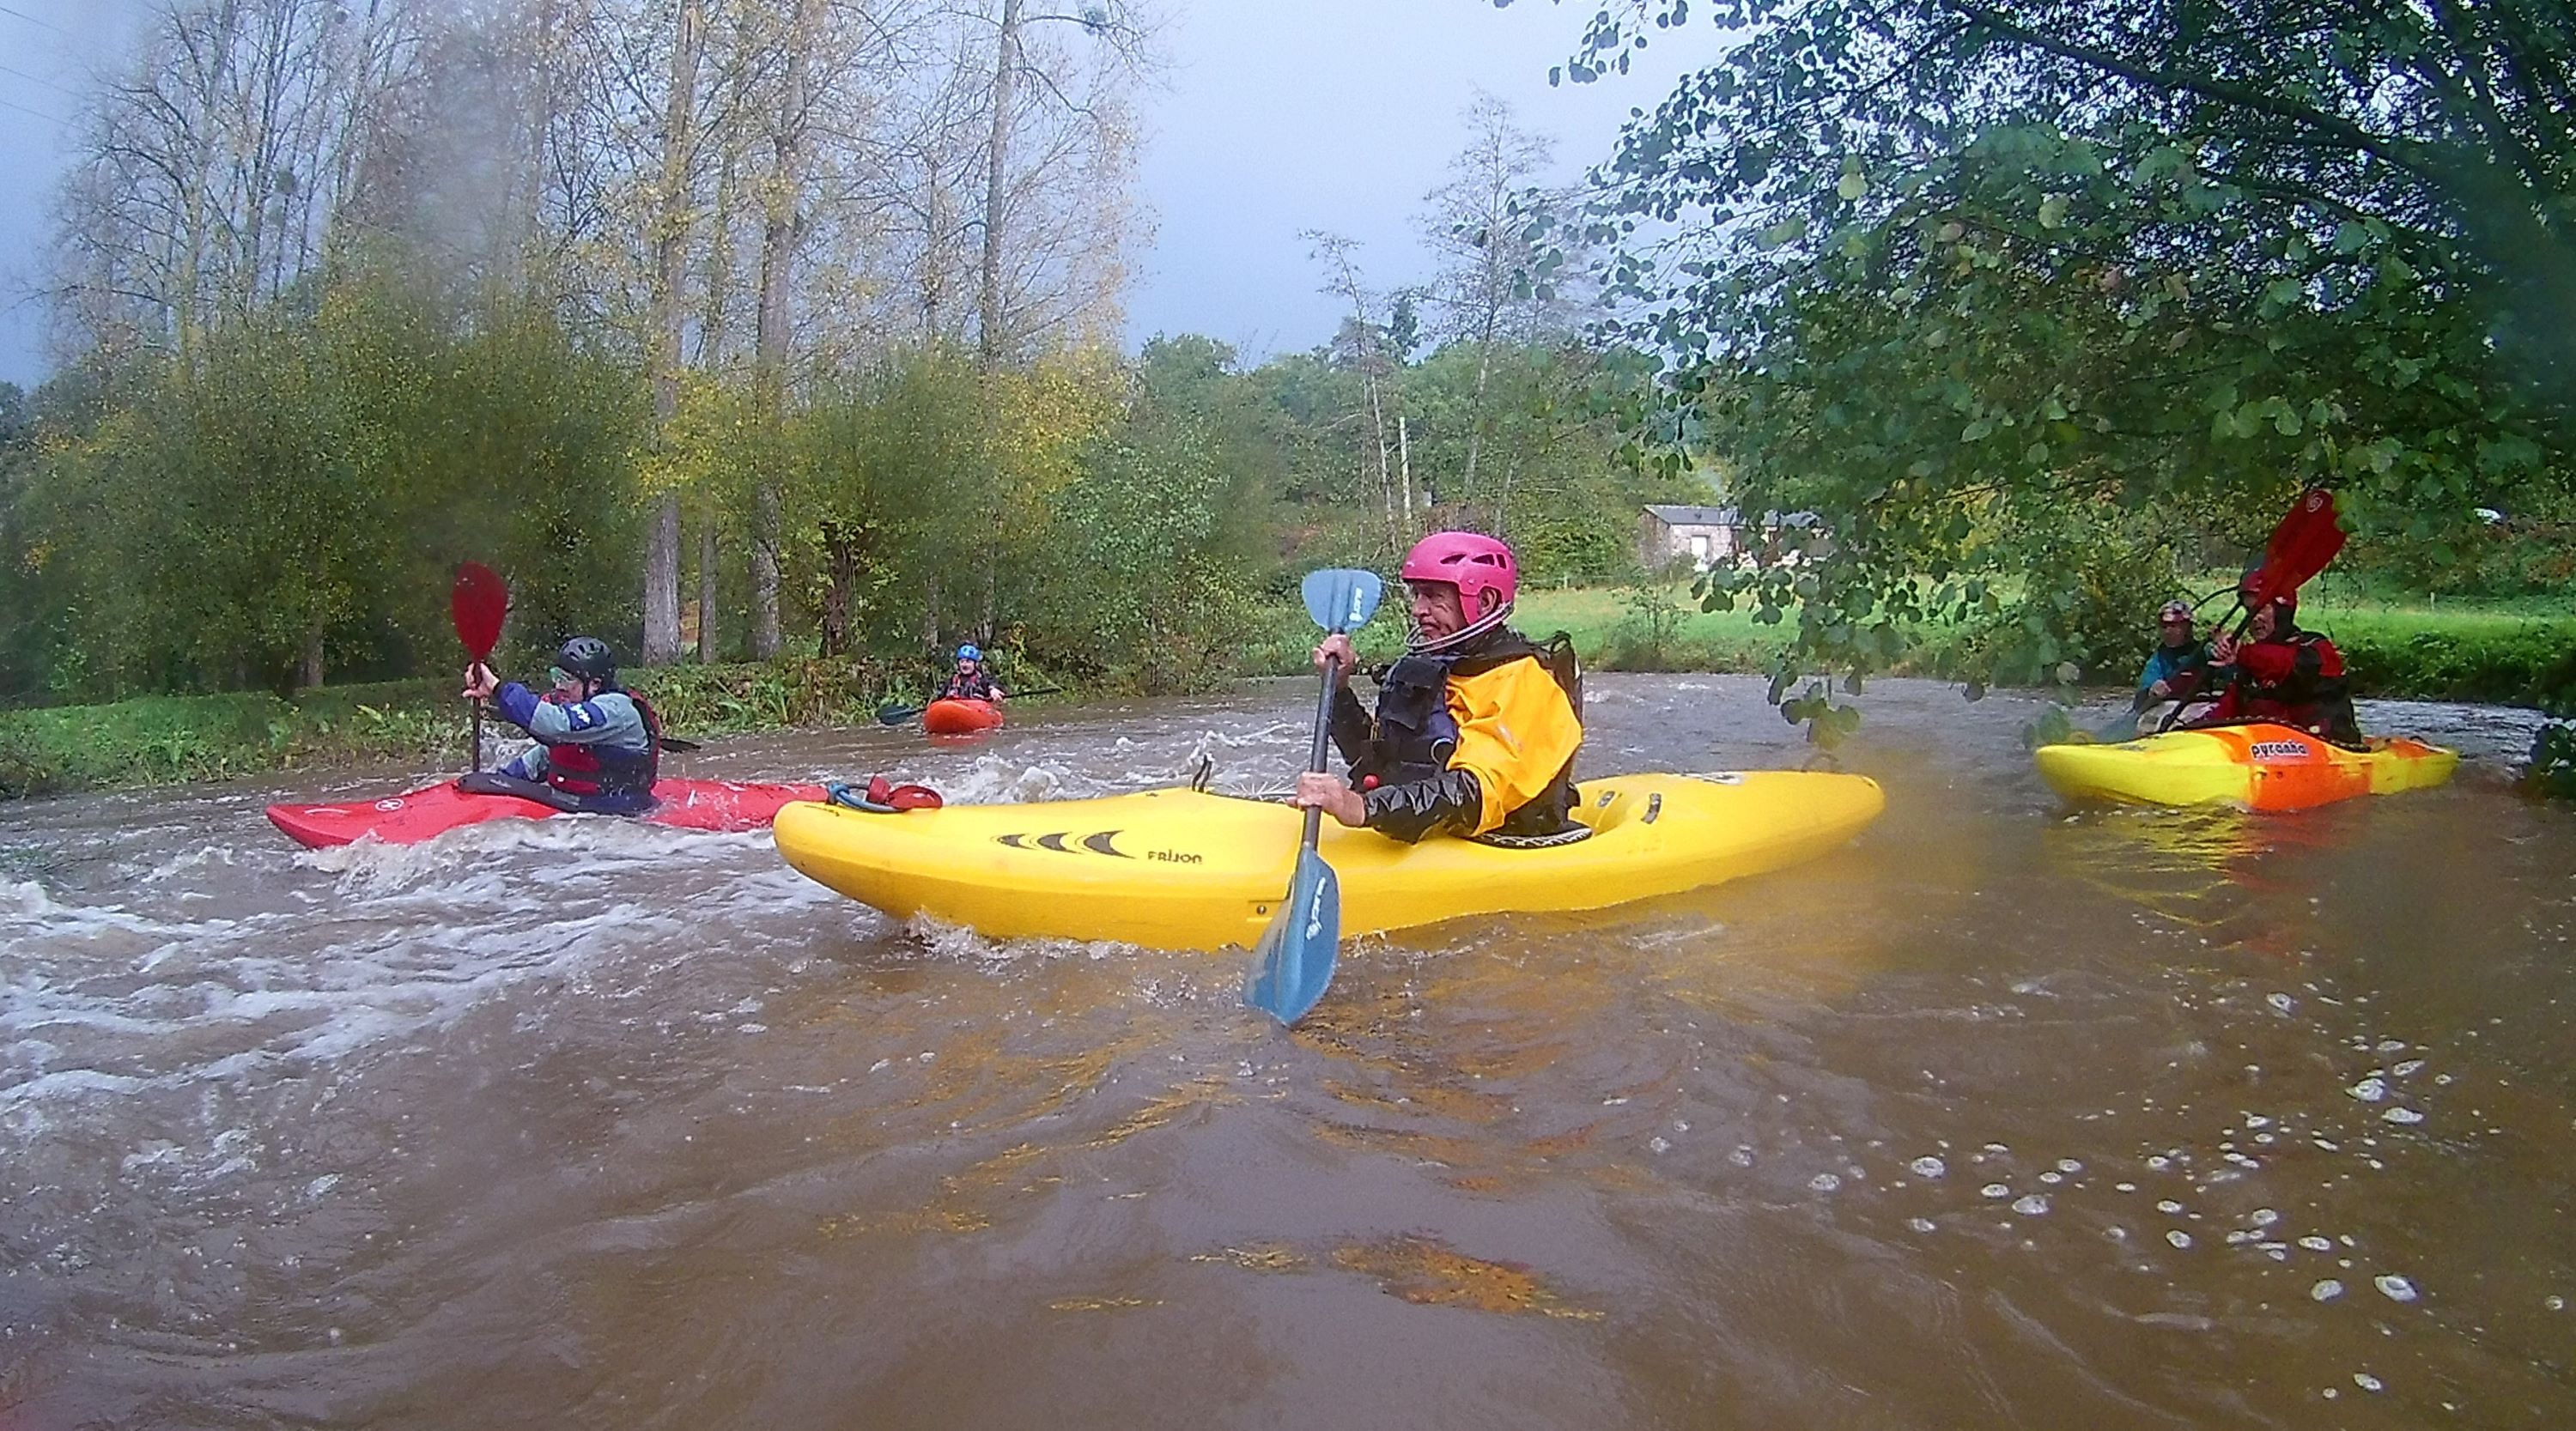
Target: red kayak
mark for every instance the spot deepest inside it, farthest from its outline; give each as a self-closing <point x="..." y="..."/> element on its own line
<point x="960" y="717"/>
<point x="417" y="815"/>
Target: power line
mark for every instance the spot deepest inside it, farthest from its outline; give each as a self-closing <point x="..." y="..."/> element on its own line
<point x="32" y="20"/>
<point x="39" y="79"/>
<point x="40" y="114"/>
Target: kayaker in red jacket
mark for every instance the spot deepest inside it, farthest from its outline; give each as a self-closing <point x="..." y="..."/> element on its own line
<point x="2281" y="674"/>
<point x="970" y="681"/>
<point x="1475" y="729"/>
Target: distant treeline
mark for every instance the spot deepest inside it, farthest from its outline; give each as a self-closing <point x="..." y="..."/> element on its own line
<point x="288" y="506"/>
<point x="787" y="324"/>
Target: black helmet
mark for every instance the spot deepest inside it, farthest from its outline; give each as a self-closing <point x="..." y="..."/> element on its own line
<point x="587" y="657"/>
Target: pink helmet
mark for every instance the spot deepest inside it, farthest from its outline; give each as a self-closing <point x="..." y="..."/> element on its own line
<point x="1470" y="561"/>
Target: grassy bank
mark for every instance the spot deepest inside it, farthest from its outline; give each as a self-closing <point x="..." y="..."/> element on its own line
<point x="2507" y="651"/>
<point x="2449" y="655"/>
<point x="158" y="740"/>
<point x="1614" y="628"/>
<point x="2512" y="654"/>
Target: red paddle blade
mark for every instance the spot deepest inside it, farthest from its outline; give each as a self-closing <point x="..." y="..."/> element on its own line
<point x="478" y="603"/>
<point x="2301" y="546"/>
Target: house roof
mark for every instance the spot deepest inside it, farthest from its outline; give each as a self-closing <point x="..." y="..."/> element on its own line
<point x="1675" y="516"/>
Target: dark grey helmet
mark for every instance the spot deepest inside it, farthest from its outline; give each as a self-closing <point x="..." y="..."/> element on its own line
<point x="589" y="658"/>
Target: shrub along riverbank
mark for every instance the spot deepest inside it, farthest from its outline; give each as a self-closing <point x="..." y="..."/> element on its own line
<point x="2453" y="654"/>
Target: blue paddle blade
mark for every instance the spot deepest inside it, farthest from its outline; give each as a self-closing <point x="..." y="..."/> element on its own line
<point x="1294" y="961"/>
<point x="1341" y="599"/>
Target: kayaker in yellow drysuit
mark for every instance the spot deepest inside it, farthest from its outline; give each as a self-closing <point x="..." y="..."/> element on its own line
<point x="1476" y="727"/>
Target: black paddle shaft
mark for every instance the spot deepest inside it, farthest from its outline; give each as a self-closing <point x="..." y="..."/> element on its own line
<point x="1315" y="753"/>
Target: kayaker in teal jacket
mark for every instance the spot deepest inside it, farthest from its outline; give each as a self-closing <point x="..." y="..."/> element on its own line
<point x="598" y="747"/>
<point x="2179" y="662"/>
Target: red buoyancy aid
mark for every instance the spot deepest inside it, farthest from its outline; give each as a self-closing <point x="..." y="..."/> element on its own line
<point x="589" y="770"/>
<point x="2297" y="680"/>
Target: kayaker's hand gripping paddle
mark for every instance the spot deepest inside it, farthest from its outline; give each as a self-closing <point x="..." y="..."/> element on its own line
<point x="1293" y="963"/>
<point x="479" y="603"/>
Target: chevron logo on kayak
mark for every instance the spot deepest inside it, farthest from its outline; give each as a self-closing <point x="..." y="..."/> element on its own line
<point x="1098" y="844"/>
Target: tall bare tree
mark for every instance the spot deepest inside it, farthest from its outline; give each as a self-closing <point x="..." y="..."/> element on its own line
<point x="208" y="176"/>
<point x="756" y="190"/>
<point x="782" y="230"/>
<point x="673" y="212"/>
<point x="1077" y="126"/>
<point x="1362" y="346"/>
<point x="1481" y="222"/>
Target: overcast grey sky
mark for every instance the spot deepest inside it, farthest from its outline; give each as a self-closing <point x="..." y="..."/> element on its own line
<point x="48" y="47"/>
<point x="1278" y="116"/>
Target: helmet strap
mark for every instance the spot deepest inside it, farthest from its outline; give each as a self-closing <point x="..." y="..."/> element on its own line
<point x="1415" y="643"/>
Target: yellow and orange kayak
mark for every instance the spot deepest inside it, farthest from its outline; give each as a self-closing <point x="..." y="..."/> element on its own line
<point x="1182" y="869"/>
<point x="2254" y="767"/>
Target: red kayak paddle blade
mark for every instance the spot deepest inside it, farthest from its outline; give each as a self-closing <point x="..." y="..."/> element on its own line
<point x="2301" y="546"/>
<point x="479" y="603"/>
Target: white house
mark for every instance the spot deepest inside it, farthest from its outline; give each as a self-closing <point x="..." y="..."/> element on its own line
<point x="1709" y="535"/>
<point x="1706" y="535"/>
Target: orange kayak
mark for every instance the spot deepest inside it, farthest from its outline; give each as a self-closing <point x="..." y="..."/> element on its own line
<point x="959" y="717"/>
<point x="2254" y="767"/>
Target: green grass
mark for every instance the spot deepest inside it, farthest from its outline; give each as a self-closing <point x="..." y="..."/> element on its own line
<point x="1623" y="629"/>
<point x="1608" y="627"/>
<point x="2521" y="653"/>
<point x="2475" y="656"/>
<point x="157" y="740"/>
<point x="2335" y="593"/>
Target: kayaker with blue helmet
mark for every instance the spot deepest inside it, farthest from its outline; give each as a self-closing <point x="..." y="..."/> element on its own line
<point x="970" y="681"/>
<point x="598" y="747"/>
<point x="1476" y="727"/>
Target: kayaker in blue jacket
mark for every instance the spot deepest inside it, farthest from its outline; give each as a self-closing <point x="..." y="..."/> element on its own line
<point x="2180" y="660"/>
<point x="970" y="681"/>
<point x="598" y="747"/>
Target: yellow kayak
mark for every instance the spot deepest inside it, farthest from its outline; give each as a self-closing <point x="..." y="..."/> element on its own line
<point x="2255" y="767"/>
<point x="1181" y="869"/>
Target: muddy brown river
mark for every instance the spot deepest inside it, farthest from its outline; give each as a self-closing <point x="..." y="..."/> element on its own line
<point x="2007" y="1115"/>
